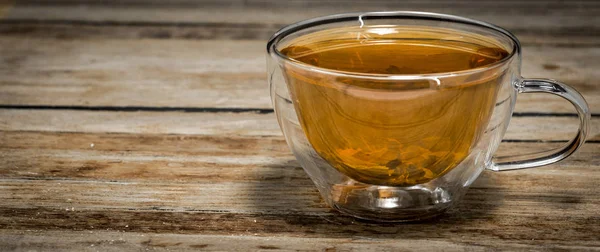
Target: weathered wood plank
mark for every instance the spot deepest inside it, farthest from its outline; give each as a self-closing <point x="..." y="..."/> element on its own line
<point x="487" y="224"/>
<point x="511" y="15"/>
<point x="141" y="173"/>
<point x="113" y="73"/>
<point x="240" y="124"/>
<point x="214" y="196"/>
<point x="225" y="74"/>
<point x="140" y="122"/>
<point x="67" y="29"/>
<point x="549" y="4"/>
<point x="19" y="240"/>
<point x="191" y="31"/>
<point x="92" y="190"/>
<point x="128" y="241"/>
<point x="216" y="174"/>
<point x="505" y="207"/>
<point x="164" y="158"/>
<point x="214" y="145"/>
<point x="519" y="207"/>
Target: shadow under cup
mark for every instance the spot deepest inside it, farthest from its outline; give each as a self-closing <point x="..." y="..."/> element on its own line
<point x="393" y="147"/>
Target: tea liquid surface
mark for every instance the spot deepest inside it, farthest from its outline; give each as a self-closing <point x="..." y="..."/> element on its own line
<point x="398" y="132"/>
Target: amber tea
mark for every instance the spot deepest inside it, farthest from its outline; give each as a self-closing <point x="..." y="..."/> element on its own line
<point x="389" y="129"/>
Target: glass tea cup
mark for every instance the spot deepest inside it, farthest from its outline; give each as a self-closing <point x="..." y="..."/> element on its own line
<point x="402" y="143"/>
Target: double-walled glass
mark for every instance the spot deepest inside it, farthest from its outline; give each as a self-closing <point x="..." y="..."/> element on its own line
<point x="414" y="168"/>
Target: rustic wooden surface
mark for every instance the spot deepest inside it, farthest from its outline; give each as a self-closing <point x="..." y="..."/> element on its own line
<point x="146" y="125"/>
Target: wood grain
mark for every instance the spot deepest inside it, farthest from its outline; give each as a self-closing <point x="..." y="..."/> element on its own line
<point x="146" y="125"/>
<point x="550" y="4"/>
<point x="497" y="209"/>
<point x="86" y="29"/>
<point x="208" y="73"/>
<point x="241" y="124"/>
<point x="527" y="15"/>
<point x="252" y="185"/>
<point x="128" y="241"/>
<point x="486" y="225"/>
<point x="168" y="157"/>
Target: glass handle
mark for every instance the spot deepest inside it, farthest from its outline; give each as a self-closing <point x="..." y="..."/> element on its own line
<point x="555" y="155"/>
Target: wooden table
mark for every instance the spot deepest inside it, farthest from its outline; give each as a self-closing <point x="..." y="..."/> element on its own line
<point x="146" y="125"/>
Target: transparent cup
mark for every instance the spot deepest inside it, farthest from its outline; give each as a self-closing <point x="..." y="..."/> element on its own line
<point x="422" y="189"/>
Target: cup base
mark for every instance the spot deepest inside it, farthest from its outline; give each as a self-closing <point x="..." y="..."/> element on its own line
<point x="390" y="204"/>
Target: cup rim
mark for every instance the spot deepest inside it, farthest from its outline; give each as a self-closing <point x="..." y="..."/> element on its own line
<point x="415" y="15"/>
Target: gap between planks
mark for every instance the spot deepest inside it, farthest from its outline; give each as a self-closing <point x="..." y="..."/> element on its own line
<point x="217" y="110"/>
